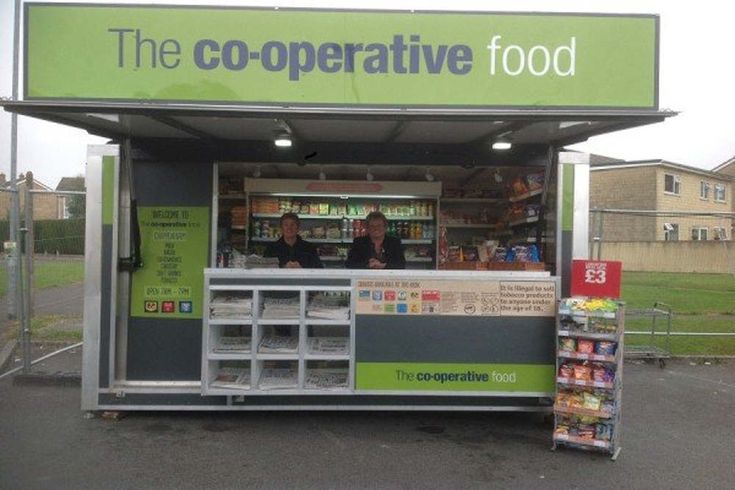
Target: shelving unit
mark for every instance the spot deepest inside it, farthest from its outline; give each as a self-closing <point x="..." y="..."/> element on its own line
<point x="331" y="214"/>
<point x="284" y="349"/>
<point x="589" y="364"/>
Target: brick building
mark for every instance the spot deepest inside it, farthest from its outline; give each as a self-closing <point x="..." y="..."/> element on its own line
<point x="45" y="206"/>
<point x="660" y="186"/>
<point x="727" y="169"/>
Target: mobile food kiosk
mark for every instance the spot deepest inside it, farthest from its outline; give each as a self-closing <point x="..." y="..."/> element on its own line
<point x="368" y="110"/>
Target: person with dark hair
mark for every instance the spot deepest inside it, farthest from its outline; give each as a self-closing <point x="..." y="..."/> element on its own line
<point x="292" y="251"/>
<point x="376" y="250"/>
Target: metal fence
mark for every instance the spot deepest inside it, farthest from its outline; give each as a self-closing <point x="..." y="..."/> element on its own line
<point x="684" y="242"/>
<point x="41" y="276"/>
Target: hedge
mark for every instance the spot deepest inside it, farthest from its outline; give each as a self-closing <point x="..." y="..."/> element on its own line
<point x="54" y="236"/>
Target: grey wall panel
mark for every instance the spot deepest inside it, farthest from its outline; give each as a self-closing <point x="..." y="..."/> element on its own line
<point x="164" y="350"/>
<point x="454" y="339"/>
<point x="173" y="184"/>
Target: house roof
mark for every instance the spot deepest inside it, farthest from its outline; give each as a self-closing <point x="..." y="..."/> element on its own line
<point x="21" y="180"/>
<point x="71" y="184"/>
<point x="622" y="164"/>
<point x="727" y="165"/>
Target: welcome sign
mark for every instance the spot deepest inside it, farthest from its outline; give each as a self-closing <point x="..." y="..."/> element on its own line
<point x="352" y="58"/>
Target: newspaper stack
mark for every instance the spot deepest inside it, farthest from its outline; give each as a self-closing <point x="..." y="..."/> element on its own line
<point x="230" y="307"/>
<point x="241" y="261"/>
<point x="227" y="345"/>
<point x="329" y="345"/>
<point x="329" y="307"/>
<point x="278" y="344"/>
<point x="278" y="379"/>
<point x="232" y="378"/>
<point x="281" y="308"/>
<point x="326" y="379"/>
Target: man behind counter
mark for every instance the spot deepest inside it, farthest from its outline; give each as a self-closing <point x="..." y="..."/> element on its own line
<point x="376" y="250"/>
<point x="292" y="251"/>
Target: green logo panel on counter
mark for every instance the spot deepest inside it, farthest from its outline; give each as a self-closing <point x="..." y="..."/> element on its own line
<point x="401" y="376"/>
<point x="174" y="249"/>
<point x="302" y="57"/>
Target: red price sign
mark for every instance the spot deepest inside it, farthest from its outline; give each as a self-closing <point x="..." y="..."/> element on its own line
<point x="596" y="278"/>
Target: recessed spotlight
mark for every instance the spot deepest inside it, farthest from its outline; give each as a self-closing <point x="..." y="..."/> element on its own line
<point x="501" y="145"/>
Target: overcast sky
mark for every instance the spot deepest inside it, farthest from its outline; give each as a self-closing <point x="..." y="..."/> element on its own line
<point x="697" y="79"/>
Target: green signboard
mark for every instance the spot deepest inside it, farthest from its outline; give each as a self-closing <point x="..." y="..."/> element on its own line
<point x="405" y="376"/>
<point x="174" y="249"/>
<point x="339" y="58"/>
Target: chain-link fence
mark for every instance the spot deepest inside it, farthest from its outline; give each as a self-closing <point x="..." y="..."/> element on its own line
<point x="41" y="307"/>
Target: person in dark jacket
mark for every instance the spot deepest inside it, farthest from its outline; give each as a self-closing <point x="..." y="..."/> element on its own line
<point x="292" y="251"/>
<point x="376" y="250"/>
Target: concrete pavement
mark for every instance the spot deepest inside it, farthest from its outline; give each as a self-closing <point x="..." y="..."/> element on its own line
<point x="678" y="433"/>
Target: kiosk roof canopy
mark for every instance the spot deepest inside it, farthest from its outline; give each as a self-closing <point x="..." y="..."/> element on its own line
<point x="461" y="127"/>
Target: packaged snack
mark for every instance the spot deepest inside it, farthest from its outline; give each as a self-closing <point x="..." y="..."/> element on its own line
<point x="608" y="406"/>
<point x="568" y="344"/>
<point x="585" y="346"/>
<point x="582" y="372"/>
<point x="586" y="431"/>
<point x="605" y="348"/>
<point x="561" y="430"/>
<point x="591" y="401"/>
<point x="566" y="371"/>
<point x="602" y="373"/>
<point x="603" y="432"/>
<point x="576" y="400"/>
<point x="518" y="186"/>
<point x="535" y="181"/>
<point x="562" y="399"/>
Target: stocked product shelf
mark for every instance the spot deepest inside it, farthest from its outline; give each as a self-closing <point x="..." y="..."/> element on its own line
<point x="582" y="441"/>
<point x="584" y="412"/>
<point x="588" y="335"/>
<point x="523" y="221"/>
<point x="482" y="226"/>
<point x="527" y="195"/>
<point x="582" y="382"/>
<point x="586" y="357"/>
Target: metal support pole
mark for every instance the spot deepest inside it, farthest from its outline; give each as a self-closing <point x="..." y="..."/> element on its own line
<point x="24" y="314"/>
<point x="14" y="276"/>
<point x="599" y="235"/>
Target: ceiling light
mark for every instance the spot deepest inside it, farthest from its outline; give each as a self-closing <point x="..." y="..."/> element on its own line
<point x="256" y="172"/>
<point x="369" y="175"/>
<point x="283" y="140"/>
<point x="501" y="145"/>
<point x="429" y="176"/>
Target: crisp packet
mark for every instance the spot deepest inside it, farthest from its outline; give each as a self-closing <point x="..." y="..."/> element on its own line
<point x="585" y="346"/>
<point x="582" y="372"/>
<point x="568" y="344"/>
<point x="605" y="348"/>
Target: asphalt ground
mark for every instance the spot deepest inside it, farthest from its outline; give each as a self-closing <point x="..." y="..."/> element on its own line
<point x="678" y="432"/>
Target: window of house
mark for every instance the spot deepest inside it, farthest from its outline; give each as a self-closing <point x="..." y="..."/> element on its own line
<point x="719" y="233"/>
<point x="704" y="190"/>
<point x="699" y="234"/>
<point x="671" y="232"/>
<point x="720" y="192"/>
<point x="672" y="184"/>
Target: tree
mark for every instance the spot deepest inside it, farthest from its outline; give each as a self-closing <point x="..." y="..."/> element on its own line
<point x="76" y="205"/>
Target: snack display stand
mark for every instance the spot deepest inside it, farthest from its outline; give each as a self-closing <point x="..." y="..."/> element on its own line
<point x="190" y="97"/>
<point x="589" y="382"/>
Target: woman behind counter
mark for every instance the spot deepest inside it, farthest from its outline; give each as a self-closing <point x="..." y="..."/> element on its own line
<point x="376" y="250"/>
<point x="292" y="251"/>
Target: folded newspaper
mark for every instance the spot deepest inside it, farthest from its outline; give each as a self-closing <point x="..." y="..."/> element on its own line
<point x="278" y="379"/>
<point x="232" y="378"/>
<point x="278" y="344"/>
<point x="329" y="307"/>
<point x="230" y="307"/>
<point x="329" y="345"/>
<point x="326" y="379"/>
<point x="232" y="344"/>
